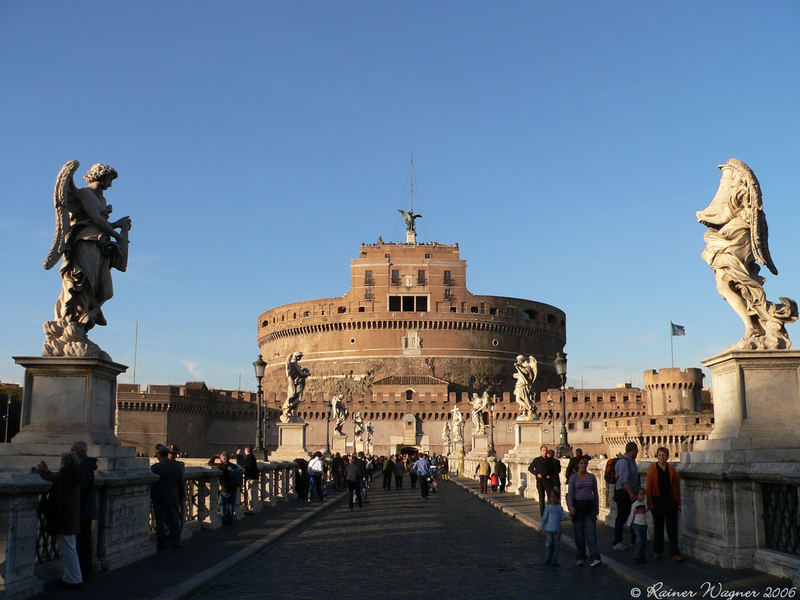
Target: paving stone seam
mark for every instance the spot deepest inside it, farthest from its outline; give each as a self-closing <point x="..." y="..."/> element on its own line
<point x="200" y="579"/>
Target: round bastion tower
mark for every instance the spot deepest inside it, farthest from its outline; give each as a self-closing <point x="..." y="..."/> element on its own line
<point x="409" y="318"/>
<point x="671" y="390"/>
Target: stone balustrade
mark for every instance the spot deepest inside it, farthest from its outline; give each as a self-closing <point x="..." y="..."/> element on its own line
<point x="29" y="556"/>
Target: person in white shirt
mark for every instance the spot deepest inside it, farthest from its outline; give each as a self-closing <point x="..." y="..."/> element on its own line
<point x="637" y="520"/>
<point x="316" y="474"/>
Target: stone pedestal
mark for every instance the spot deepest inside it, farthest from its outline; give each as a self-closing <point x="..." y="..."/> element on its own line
<point x="733" y="482"/>
<point x="291" y="442"/>
<point x="528" y="438"/>
<point x="480" y="450"/>
<point x="339" y="444"/>
<point x="67" y="399"/>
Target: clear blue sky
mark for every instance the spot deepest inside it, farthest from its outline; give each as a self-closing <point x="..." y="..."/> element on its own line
<point x="564" y="146"/>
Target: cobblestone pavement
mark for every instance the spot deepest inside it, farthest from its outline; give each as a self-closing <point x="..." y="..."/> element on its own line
<point x="400" y="546"/>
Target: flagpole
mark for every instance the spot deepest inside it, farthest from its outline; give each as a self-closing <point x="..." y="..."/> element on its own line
<point x="671" y="352"/>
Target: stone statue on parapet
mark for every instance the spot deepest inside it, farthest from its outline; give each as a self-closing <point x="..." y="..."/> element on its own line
<point x="479" y="405"/>
<point x="446" y="438"/>
<point x="297" y="384"/>
<point x="525" y="373"/>
<point x="358" y="426"/>
<point x="457" y="426"/>
<point x="370" y="431"/>
<point x="91" y="246"/>
<point x="410" y="218"/>
<point x="340" y="413"/>
<point x="736" y="241"/>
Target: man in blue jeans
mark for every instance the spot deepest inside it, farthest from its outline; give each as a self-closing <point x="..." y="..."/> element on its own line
<point x="625" y="489"/>
<point x="228" y="492"/>
<point x="423" y="469"/>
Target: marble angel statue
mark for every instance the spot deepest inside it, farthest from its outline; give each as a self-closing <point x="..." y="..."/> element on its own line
<point x="479" y="405"/>
<point x="457" y="425"/>
<point x="296" y="376"/>
<point x="340" y="413"/>
<point x="736" y="241"/>
<point x="446" y="437"/>
<point x="525" y="373"/>
<point x="358" y="426"/>
<point x="91" y="245"/>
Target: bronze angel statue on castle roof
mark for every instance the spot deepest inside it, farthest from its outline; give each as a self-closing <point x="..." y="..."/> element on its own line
<point x="736" y="241"/>
<point x="91" y="246"/>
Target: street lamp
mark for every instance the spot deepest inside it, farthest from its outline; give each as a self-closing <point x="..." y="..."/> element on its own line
<point x="259" y="366"/>
<point x="491" y="427"/>
<point x="327" y="431"/>
<point x="560" y="363"/>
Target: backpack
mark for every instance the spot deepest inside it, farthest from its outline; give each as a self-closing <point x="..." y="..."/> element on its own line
<point x="611" y="470"/>
<point x="234" y="477"/>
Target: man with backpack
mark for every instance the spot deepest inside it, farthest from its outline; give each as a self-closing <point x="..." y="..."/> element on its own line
<point x="626" y="486"/>
<point x="229" y="483"/>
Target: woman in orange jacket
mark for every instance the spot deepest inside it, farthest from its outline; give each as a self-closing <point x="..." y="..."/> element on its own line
<point x="664" y="501"/>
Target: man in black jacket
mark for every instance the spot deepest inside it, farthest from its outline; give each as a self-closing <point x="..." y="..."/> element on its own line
<point x="167" y="494"/>
<point x="542" y="471"/>
<point x="249" y="463"/>
<point x="83" y="540"/>
<point x="354" y="475"/>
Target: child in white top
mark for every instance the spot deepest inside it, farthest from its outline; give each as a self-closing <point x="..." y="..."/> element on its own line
<point x="637" y="520"/>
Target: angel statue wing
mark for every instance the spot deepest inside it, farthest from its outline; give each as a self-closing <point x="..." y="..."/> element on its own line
<point x="534" y="368"/>
<point x="63" y="194"/>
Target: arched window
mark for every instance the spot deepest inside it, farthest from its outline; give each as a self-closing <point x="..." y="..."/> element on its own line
<point x="409" y="395"/>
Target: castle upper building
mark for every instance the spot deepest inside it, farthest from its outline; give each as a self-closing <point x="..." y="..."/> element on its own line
<point x="409" y="316"/>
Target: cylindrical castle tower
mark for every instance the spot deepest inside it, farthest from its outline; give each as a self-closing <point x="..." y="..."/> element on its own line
<point x="408" y="312"/>
<point x="671" y="390"/>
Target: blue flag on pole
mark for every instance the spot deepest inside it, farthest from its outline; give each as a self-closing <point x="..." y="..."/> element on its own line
<point x="677" y="329"/>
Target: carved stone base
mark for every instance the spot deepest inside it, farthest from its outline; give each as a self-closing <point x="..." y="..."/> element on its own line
<point x="756" y="400"/>
<point x="729" y="481"/>
<point x="68" y="399"/>
<point x="528" y="437"/>
<point x="339" y="444"/>
<point x="291" y="442"/>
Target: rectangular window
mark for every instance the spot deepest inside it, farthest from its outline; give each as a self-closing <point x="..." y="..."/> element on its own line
<point x="463" y="307"/>
<point x="448" y="278"/>
<point x="586" y="425"/>
<point x="571" y="426"/>
<point x="395" y="277"/>
<point x="669" y="421"/>
<point x="306" y="313"/>
<point x="427" y="256"/>
<point x="483" y="308"/>
<point x="652" y="421"/>
<point x="368" y="294"/>
<point x="422" y="304"/>
<point x="612" y="399"/>
<point x="492" y="311"/>
<point x="624" y="398"/>
<point x="587" y="399"/>
<point x="360" y="309"/>
<point x="510" y="312"/>
<point x="574" y="398"/>
<point x="408" y="303"/>
<point x="421" y="277"/>
<point x="394" y="304"/>
<point x="368" y="278"/>
<point x="453" y="309"/>
<point x="447" y="293"/>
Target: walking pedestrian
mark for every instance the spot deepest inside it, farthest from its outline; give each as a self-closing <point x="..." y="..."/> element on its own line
<point x="637" y="521"/>
<point x="83" y="541"/>
<point x="483" y="470"/>
<point x="316" y="473"/>
<point x="584" y="506"/>
<point x="353" y="475"/>
<point x="388" y="472"/>
<point x="399" y="473"/>
<point x="167" y="495"/>
<point x="251" y="474"/>
<point x="551" y="525"/>
<point x="541" y="470"/>
<point x="229" y="482"/>
<point x="664" y="501"/>
<point x="63" y="514"/>
<point x="502" y="471"/>
<point x="423" y="470"/>
<point x="625" y="490"/>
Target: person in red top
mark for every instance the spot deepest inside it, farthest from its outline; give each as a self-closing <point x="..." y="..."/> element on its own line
<point x="664" y="501"/>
